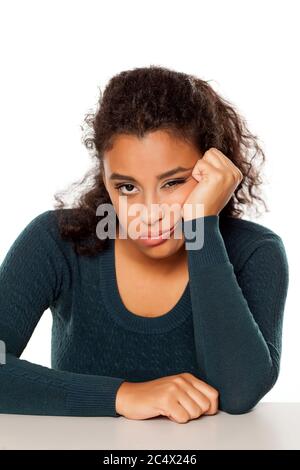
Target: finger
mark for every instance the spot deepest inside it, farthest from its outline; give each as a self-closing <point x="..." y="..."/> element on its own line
<point x="215" y="158"/>
<point x="228" y="161"/>
<point x="177" y="412"/>
<point x="194" y="380"/>
<point x="211" y="393"/>
<point x="193" y="407"/>
<point x="201" y="169"/>
<point x="203" y="401"/>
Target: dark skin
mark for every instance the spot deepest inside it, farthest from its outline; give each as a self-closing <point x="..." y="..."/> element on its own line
<point x="144" y="160"/>
<point x="208" y="179"/>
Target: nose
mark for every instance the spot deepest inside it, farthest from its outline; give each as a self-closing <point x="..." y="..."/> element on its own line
<point x="151" y="214"/>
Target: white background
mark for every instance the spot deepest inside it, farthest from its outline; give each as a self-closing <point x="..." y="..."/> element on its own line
<point x="55" y="55"/>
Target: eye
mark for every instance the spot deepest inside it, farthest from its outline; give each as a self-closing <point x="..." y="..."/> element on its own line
<point x="172" y="184"/>
<point x="118" y="187"/>
<point x="176" y="182"/>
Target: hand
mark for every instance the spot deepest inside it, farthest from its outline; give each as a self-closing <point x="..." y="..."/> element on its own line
<point x="217" y="180"/>
<point x="179" y="397"/>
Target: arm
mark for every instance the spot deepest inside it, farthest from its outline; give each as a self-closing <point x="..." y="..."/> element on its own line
<point x="238" y="318"/>
<point x="32" y="276"/>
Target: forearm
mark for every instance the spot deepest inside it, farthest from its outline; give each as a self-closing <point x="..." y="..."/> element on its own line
<point x="236" y="357"/>
<point x="28" y="388"/>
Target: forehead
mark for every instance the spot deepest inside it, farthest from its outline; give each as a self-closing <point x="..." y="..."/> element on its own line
<point x="153" y="154"/>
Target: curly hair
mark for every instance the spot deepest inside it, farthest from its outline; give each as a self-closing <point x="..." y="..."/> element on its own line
<point x="146" y="99"/>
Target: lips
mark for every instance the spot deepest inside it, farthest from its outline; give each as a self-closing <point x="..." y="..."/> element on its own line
<point x="157" y="235"/>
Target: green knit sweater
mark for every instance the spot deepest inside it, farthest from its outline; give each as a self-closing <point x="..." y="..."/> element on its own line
<point x="226" y="328"/>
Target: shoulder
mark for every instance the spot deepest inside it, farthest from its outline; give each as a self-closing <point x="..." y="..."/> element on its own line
<point x="42" y="233"/>
<point x="48" y="218"/>
<point x="243" y="237"/>
<point x="37" y="244"/>
<point x="48" y="222"/>
<point x="247" y="229"/>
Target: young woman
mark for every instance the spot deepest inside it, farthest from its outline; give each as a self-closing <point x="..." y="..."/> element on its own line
<point x="148" y="323"/>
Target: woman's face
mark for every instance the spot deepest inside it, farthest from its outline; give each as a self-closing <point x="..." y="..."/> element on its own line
<point x="146" y="201"/>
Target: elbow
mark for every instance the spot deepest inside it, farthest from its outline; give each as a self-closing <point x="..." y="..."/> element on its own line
<point x="244" y="400"/>
<point x="237" y="407"/>
<point x="240" y="403"/>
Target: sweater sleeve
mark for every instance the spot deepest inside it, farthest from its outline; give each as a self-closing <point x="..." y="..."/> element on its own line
<point x="32" y="275"/>
<point x="238" y="317"/>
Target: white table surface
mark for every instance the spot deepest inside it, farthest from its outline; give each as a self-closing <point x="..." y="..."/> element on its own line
<point x="267" y="426"/>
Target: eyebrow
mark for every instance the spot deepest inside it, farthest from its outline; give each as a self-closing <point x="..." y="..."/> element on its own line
<point x="117" y="176"/>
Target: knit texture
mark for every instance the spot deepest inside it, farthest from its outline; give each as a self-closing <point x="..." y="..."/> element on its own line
<point x="226" y="328"/>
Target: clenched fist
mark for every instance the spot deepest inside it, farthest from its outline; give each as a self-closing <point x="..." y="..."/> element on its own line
<point x="180" y="397"/>
<point x="217" y="178"/>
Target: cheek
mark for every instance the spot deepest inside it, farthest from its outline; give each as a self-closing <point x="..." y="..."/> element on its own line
<point x="128" y="214"/>
<point x="180" y="194"/>
<point x="177" y="197"/>
<point x="118" y="206"/>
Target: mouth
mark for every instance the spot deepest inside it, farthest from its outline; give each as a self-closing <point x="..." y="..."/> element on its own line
<point x="160" y="235"/>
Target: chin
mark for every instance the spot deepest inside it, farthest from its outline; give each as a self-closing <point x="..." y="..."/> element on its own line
<point x="164" y="250"/>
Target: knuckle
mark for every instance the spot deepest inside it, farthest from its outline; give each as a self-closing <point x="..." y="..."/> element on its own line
<point x="212" y="412"/>
<point x="205" y="406"/>
<point x="232" y="177"/>
<point x="238" y="174"/>
<point x="219" y="175"/>
<point x="197" y="413"/>
<point x="182" y="420"/>
<point x="179" y="379"/>
<point x="180" y="417"/>
<point x="187" y="375"/>
<point x="215" y="394"/>
<point x="172" y="387"/>
<point x="165" y="402"/>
